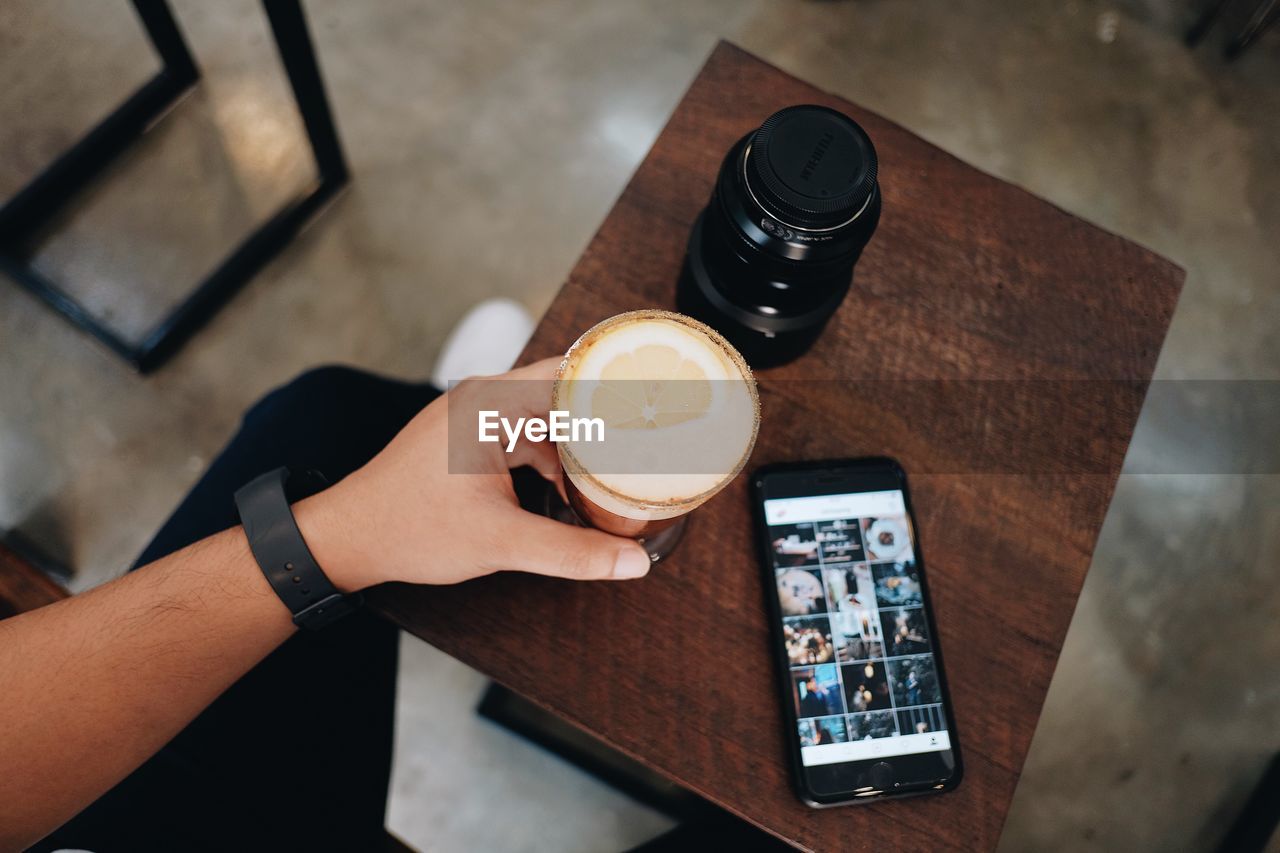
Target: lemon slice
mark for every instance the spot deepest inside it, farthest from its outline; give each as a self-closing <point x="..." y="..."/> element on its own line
<point x="650" y="387"/>
<point x="679" y="408"/>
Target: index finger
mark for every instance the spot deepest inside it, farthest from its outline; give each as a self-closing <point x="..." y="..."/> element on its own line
<point x="524" y="391"/>
<point x="544" y="368"/>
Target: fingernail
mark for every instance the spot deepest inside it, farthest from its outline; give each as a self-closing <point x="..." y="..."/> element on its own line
<point x="631" y="563"/>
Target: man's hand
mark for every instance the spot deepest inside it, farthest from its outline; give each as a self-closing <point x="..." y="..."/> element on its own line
<point x="405" y="517"/>
<point x="131" y="662"/>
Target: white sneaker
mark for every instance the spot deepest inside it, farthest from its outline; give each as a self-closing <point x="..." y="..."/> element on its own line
<point x="486" y="341"/>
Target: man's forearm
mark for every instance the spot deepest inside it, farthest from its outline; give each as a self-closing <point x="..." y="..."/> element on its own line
<point x="92" y="686"/>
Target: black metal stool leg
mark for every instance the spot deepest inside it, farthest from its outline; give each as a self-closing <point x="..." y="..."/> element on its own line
<point x="299" y="60"/>
<point x="1262" y="18"/>
<point x="1201" y="27"/>
<point x="32" y="207"/>
<point x="702" y="825"/>
<point x="1260" y="817"/>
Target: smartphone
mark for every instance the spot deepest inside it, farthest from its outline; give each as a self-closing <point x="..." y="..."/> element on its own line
<point x="863" y="690"/>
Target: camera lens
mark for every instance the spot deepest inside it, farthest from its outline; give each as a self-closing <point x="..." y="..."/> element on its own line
<point x="771" y="257"/>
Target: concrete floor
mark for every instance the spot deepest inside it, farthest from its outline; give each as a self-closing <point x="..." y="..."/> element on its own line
<point x="488" y="139"/>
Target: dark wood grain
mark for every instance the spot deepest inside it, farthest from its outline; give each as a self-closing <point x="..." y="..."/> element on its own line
<point x="967" y="278"/>
<point x="23" y="587"/>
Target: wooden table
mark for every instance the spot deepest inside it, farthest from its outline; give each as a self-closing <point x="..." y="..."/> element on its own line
<point x="967" y="278"/>
<point x="23" y="587"/>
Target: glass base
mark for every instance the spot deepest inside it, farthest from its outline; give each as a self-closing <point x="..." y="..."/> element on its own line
<point x="657" y="545"/>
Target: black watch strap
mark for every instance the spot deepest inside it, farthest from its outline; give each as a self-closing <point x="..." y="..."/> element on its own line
<point x="283" y="555"/>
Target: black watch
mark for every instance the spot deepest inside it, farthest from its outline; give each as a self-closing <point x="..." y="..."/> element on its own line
<point x="284" y="557"/>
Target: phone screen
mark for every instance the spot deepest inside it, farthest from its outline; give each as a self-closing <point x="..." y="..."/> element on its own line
<point x="863" y="671"/>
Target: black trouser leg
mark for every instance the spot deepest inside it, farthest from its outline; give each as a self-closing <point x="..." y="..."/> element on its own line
<point x="297" y="754"/>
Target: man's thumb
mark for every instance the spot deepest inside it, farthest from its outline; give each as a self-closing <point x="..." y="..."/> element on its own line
<point x="533" y="543"/>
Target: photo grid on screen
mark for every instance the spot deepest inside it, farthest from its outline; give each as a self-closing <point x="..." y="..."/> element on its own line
<point x="857" y="641"/>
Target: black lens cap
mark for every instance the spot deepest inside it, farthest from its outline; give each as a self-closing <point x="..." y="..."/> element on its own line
<point x="811" y="167"/>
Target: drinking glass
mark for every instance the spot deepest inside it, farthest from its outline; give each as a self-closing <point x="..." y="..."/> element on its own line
<point x="680" y="413"/>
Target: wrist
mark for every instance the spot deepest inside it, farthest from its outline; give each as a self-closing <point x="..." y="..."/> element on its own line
<point x="326" y="530"/>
